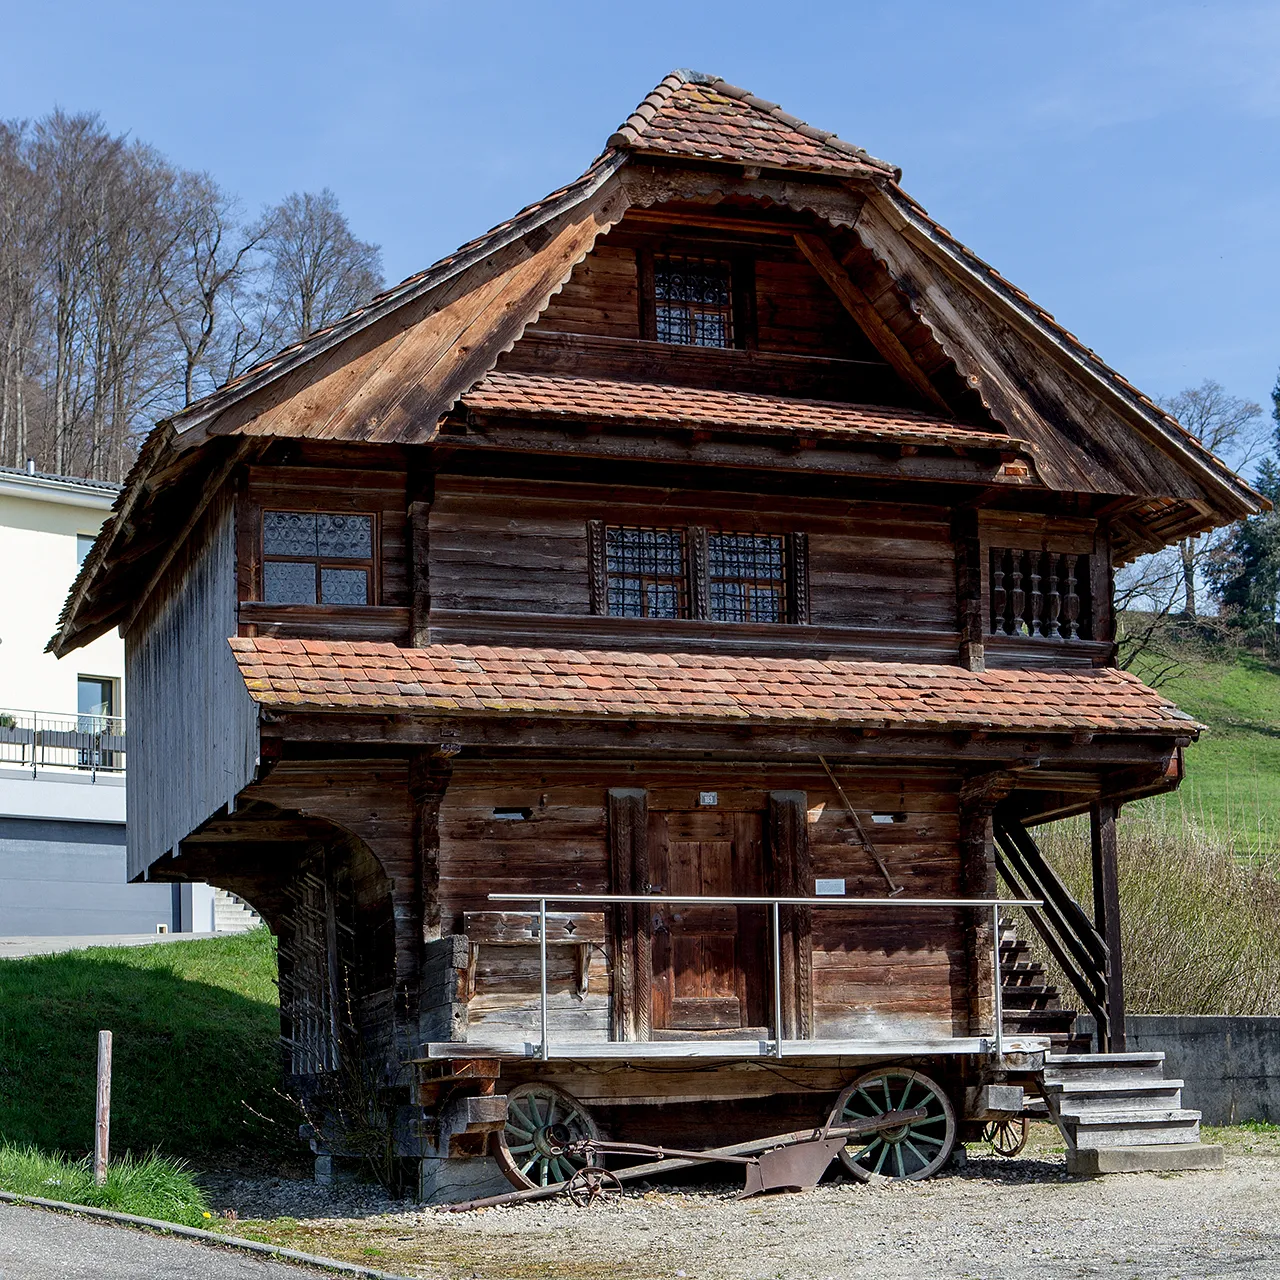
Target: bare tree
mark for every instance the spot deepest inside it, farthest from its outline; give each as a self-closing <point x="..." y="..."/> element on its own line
<point x="1235" y="430"/>
<point x="316" y="269"/>
<point x="20" y="203"/>
<point x="1147" y="594"/>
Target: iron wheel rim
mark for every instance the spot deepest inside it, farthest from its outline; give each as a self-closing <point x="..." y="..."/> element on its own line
<point x="1007" y="1137"/>
<point x="911" y="1151"/>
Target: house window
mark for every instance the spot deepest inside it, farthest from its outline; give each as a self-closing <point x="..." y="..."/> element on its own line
<point x="697" y="573"/>
<point x="746" y="575"/>
<point x="311" y="557"/>
<point x="693" y="301"/>
<point x="645" y="572"/>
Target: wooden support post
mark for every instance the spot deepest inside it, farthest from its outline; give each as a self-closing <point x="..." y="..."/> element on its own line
<point x="418" y="545"/>
<point x="979" y="796"/>
<point x="969" y="622"/>
<point x="102" y="1128"/>
<point x="429" y="773"/>
<point x="793" y="877"/>
<point x="632" y="958"/>
<point x="1106" y="915"/>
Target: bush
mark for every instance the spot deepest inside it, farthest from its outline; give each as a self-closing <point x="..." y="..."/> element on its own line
<point x="1199" y="918"/>
<point x="155" y="1186"/>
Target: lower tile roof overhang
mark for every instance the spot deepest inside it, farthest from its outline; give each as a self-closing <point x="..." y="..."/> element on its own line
<point x="496" y="695"/>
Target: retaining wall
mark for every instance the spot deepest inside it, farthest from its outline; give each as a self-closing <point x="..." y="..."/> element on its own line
<point x="1231" y="1065"/>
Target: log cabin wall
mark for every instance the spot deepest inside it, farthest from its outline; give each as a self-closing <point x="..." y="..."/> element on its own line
<point x="193" y="729"/>
<point x="313" y="481"/>
<point x="875" y="973"/>
<point x="881" y="580"/>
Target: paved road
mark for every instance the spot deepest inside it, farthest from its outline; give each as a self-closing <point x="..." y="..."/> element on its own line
<point x="14" y="948"/>
<point x="38" y="1245"/>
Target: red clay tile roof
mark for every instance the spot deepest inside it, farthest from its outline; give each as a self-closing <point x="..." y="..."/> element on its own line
<point x="690" y="114"/>
<point x="326" y="675"/>
<point x="600" y="399"/>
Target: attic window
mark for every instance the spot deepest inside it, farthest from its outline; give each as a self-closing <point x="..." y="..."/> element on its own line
<point x="693" y="301"/>
<point x="312" y="557"/>
<point x="747" y="577"/>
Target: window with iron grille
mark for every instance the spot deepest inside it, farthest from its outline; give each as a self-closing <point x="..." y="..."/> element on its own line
<point x="314" y="557"/>
<point x="747" y="577"/>
<point x="645" y="572"/>
<point x="693" y="303"/>
<point x="698" y="573"/>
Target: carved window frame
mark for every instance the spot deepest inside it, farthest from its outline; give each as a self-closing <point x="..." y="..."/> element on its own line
<point x="369" y="564"/>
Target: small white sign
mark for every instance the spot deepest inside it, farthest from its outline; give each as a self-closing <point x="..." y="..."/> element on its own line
<point x="828" y="889"/>
<point x="708" y="798"/>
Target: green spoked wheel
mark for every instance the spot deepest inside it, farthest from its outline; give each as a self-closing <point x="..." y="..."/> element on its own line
<point x="913" y="1150"/>
<point x="541" y="1121"/>
<point x="1007" y="1137"/>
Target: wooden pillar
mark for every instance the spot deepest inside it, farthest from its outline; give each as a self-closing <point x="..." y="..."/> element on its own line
<point x="1101" y="590"/>
<point x="969" y="611"/>
<point x="430" y="769"/>
<point x="1106" y="915"/>
<point x="632" y="958"/>
<point x="418" y="546"/>
<point x="979" y="796"/>
<point x="793" y="878"/>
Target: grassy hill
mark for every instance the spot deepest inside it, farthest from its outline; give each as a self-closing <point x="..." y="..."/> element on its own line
<point x="196" y="1049"/>
<point x="1232" y="788"/>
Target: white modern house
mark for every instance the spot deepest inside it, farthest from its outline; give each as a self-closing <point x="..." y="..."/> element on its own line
<point x="63" y="746"/>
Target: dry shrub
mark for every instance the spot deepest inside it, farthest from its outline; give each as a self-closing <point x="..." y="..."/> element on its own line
<point x="1200" y="919"/>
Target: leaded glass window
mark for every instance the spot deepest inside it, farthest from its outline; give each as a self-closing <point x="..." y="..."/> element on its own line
<point x="692" y="301"/>
<point x="645" y="572"/>
<point x="313" y="557"/>
<point x="746" y="577"/>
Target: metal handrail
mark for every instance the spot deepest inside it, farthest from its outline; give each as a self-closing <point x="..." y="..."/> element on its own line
<point x="82" y="741"/>
<point x="621" y="899"/>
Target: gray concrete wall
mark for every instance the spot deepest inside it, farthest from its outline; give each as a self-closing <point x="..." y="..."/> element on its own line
<point x="69" y="878"/>
<point x="1231" y="1065"/>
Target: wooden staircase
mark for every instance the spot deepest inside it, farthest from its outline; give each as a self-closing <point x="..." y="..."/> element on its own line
<point x="1032" y="1004"/>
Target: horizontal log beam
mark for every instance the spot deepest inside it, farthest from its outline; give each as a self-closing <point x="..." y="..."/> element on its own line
<point x="634" y="736"/>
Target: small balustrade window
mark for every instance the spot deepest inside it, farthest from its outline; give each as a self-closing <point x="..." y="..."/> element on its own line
<point x="697" y="573"/>
<point x="311" y="557"/>
<point x="1040" y="595"/>
<point x="693" y="301"/>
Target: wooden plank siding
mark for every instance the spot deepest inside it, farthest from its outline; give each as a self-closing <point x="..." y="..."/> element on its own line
<point x="193" y="729"/>
<point x="496" y="549"/>
<point x="876" y="973"/>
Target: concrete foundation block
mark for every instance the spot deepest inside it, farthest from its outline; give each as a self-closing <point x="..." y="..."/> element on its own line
<point x="447" y="1181"/>
<point x="1093" y="1162"/>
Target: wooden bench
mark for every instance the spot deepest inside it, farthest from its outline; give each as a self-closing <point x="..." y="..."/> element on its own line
<point x="579" y="929"/>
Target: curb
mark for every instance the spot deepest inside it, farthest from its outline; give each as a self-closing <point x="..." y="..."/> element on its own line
<point x="275" y="1252"/>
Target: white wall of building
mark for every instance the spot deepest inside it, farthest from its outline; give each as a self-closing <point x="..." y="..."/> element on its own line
<point x="40" y="519"/>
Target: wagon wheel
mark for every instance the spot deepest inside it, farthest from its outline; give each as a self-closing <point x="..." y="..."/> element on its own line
<point x="913" y="1150"/>
<point x="1007" y="1137"/>
<point x="590" y="1185"/>
<point x="541" y="1120"/>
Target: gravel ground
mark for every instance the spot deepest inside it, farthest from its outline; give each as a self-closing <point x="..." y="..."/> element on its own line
<point x="993" y="1219"/>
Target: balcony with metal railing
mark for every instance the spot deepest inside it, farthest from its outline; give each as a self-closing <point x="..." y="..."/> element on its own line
<point x="44" y="741"/>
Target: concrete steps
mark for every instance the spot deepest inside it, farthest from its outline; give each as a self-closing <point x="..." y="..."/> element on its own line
<point x="232" y="914"/>
<point x="1121" y="1103"/>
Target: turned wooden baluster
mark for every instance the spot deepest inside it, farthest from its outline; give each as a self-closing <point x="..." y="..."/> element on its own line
<point x="1017" y="596"/>
<point x="1035" y="559"/>
<point x="1070" y="600"/>
<point x="1053" y="599"/>
<point x="999" y="598"/>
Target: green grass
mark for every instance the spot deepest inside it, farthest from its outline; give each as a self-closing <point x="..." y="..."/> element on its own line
<point x="154" y="1186"/>
<point x="1232" y="787"/>
<point x="196" y="1059"/>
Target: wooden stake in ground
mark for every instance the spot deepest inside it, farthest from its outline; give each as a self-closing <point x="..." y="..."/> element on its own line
<point x="102" y="1131"/>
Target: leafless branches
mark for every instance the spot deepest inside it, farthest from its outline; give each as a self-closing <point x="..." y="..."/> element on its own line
<point x="129" y="288"/>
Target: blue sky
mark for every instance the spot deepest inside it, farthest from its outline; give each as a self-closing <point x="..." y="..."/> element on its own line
<point x="1119" y="161"/>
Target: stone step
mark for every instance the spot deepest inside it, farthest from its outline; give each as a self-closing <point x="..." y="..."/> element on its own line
<point x="1092" y="1059"/>
<point x="1138" y="1097"/>
<point x="1160" y="1158"/>
<point x="1127" y="1129"/>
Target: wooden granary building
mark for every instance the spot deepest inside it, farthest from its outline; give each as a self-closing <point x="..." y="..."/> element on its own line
<point x="720" y="528"/>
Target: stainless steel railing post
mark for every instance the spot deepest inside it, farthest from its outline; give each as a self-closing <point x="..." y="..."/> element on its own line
<point x="777" y="981"/>
<point x="542" y="950"/>
<point x="997" y="984"/>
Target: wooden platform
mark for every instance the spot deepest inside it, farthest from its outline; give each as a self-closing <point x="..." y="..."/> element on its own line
<point x="629" y="1050"/>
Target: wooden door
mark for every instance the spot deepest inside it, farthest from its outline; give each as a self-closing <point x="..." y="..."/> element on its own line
<point x="710" y="965"/>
